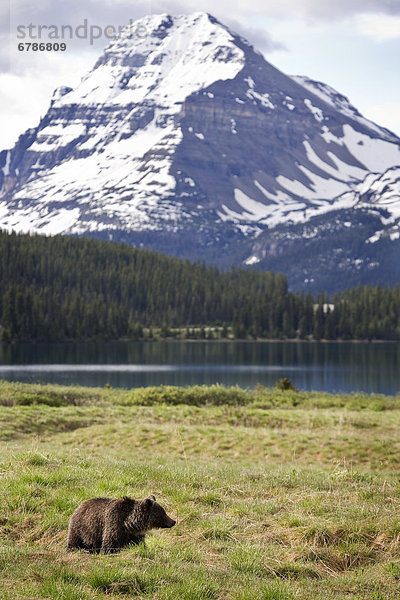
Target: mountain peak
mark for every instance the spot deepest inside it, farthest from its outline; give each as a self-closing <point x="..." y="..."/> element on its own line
<point x="163" y="56"/>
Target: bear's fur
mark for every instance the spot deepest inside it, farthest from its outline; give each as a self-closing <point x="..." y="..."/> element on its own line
<point x="106" y="524"/>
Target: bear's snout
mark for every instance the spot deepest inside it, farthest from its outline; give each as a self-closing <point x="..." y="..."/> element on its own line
<point x="169" y="523"/>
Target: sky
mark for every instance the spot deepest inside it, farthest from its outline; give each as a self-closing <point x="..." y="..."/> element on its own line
<point x="352" y="45"/>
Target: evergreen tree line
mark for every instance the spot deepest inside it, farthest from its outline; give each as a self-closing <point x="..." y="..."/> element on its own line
<point x="65" y="288"/>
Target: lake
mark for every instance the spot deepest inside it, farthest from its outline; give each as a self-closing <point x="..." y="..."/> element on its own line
<point x="328" y="366"/>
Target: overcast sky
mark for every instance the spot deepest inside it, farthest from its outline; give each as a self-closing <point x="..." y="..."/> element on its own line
<point x="353" y="45"/>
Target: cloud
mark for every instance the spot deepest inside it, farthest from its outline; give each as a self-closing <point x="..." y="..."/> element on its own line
<point x="74" y="13"/>
<point x="118" y="12"/>
<point x="260" y="38"/>
<point x="25" y="95"/>
<point x="316" y="10"/>
<point x="15" y="116"/>
<point x="379" y="27"/>
<point x="328" y="9"/>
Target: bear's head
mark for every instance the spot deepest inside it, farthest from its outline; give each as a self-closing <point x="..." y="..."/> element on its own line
<point x="157" y="517"/>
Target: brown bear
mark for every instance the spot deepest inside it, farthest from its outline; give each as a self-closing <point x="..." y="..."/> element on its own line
<point x="105" y="524"/>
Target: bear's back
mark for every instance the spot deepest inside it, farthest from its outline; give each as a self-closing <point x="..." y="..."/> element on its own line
<point x="93" y="507"/>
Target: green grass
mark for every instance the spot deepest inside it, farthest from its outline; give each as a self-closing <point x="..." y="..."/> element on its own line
<point x="279" y="495"/>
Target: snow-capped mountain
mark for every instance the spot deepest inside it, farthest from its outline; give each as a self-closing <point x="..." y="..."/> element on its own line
<point x="184" y="138"/>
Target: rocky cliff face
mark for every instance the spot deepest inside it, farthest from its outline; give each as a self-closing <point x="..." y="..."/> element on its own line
<point x="185" y="139"/>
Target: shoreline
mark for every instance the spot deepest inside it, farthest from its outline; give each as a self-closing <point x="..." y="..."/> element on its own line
<point x="202" y="341"/>
<point x="208" y="394"/>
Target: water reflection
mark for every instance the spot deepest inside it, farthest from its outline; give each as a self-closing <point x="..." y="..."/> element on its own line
<point x="327" y="366"/>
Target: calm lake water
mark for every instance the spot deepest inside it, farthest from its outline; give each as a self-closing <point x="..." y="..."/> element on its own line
<point x="340" y="367"/>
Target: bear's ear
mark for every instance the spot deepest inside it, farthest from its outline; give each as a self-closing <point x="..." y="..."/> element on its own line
<point x="148" y="502"/>
<point x="152" y="497"/>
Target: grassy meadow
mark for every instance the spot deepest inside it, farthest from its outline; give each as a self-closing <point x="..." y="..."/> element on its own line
<point x="279" y="495"/>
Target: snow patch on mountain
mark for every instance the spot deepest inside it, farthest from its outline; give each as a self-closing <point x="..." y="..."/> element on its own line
<point x="317" y="112"/>
<point x="375" y="154"/>
<point x="380" y="193"/>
